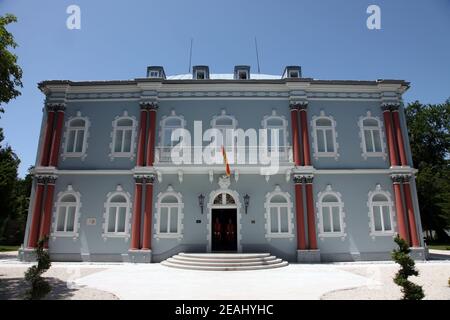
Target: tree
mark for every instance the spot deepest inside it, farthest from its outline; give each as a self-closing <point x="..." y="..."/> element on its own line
<point x="429" y="133"/>
<point x="10" y="71"/>
<point x="411" y="291"/>
<point x="39" y="287"/>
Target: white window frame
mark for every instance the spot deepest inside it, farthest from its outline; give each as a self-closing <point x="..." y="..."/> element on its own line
<point x="127" y="205"/>
<point x="154" y="74"/>
<point x="179" y="206"/>
<point x="164" y="152"/>
<point x="58" y="205"/>
<point x="69" y="129"/>
<point x="131" y="128"/>
<point x="320" y="205"/>
<point x="197" y="71"/>
<point x="390" y="204"/>
<point x="223" y="128"/>
<point x="283" y="131"/>
<point x="268" y="205"/>
<point x="315" y="142"/>
<point x="365" y="154"/>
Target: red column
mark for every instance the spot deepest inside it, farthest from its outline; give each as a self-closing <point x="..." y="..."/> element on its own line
<point x="401" y="223"/>
<point x="295" y="139"/>
<point x="47" y="217"/>
<point x="399" y="136"/>
<point x="310" y="212"/>
<point x="36" y="217"/>
<point x="147" y="242"/>
<point x="56" y="142"/>
<point x="390" y="137"/>
<point x="47" y="138"/>
<point x="305" y="136"/>
<point x="136" y="226"/>
<point x="411" y="217"/>
<point x="299" y="213"/>
<point x="151" y="136"/>
<point x="141" y="141"/>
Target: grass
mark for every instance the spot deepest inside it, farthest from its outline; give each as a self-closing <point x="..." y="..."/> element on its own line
<point x="4" y="248"/>
<point x="439" y="246"/>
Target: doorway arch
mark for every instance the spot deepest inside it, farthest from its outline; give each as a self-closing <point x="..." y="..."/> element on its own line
<point x="224" y="198"/>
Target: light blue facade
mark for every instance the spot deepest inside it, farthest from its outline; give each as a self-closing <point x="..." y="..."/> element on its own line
<point x="95" y="175"/>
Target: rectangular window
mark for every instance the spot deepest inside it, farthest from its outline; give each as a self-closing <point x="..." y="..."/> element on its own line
<point x="173" y="220"/>
<point x="112" y="219"/>
<point x="273" y="220"/>
<point x="386" y="218"/>
<point x="336" y="219"/>
<point x="163" y="220"/>
<point x="61" y="219"/>
<point x="70" y="219"/>
<point x="284" y="222"/>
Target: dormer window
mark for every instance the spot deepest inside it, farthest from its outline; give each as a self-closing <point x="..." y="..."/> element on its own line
<point x="155" y="72"/>
<point x="200" y="72"/>
<point x="242" y="72"/>
<point x="292" y="72"/>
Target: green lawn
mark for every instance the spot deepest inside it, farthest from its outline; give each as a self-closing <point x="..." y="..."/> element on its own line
<point x="439" y="246"/>
<point x="8" y="248"/>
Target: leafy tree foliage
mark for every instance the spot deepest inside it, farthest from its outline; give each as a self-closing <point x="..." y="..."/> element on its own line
<point x="39" y="287"/>
<point x="429" y="133"/>
<point x="10" y="71"/>
<point x="411" y="291"/>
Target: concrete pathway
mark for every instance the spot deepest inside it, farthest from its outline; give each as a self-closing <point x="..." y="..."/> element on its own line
<point x="155" y="281"/>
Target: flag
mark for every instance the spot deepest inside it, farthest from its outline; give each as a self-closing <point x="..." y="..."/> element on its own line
<point x="225" y="160"/>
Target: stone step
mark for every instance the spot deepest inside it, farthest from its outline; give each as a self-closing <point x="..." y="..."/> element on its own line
<point x="223" y="263"/>
<point x="224" y="255"/>
<point x="224" y="268"/>
<point x="212" y="259"/>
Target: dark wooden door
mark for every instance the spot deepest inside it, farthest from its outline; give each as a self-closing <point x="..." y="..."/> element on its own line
<point x="224" y="230"/>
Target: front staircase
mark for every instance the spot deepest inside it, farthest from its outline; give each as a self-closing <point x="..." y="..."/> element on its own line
<point x="224" y="261"/>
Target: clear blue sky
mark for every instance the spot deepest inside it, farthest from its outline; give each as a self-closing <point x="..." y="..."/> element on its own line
<point x="118" y="39"/>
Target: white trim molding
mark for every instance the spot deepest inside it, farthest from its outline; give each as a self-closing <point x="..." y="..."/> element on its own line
<point x="85" y="129"/>
<point x="377" y="129"/>
<point x="320" y="205"/>
<point x="115" y="124"/>
<point x="179" y="206"/>
<point x="288" y="205"/>
<point x="323" y="129"/>
<point x="59" y="204"/>
<point x="389" y="204"/>
<point x="224" y="184"/>
<point x="127" y="205"/>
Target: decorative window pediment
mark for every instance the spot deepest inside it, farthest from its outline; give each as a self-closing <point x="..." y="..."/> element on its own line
<point x="279" y="217"/>
<point x="169" y="215"/>
<point x="123" y="137"/>
<point x="330" y="214"/>
<point x="117" y="214"/>
<point x="279" y="123"/>
<point x="324" y="136"/>
<point x="381" y="213"/>
<point x="76" y="136"/>
<point x="372" y="136"/>
<point x="67" y="213"/>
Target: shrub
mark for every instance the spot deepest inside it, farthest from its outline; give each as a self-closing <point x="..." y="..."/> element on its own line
<point x="39" y="287"/>
<point x="411" y="291"/>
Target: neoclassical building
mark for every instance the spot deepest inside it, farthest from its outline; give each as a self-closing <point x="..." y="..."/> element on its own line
<point x="106" y="186"/>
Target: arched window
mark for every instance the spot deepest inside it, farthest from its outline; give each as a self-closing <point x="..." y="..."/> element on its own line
<point x="223" y="122"/>
<point x="276" y="122"/>
<point x="117" y="214"/>
<point x="324" y="136"/>
<point x="123" y="135"/>
<point x="76" y="136"/>
<point x="381" y="212"/>
<point x="67" y="213"/>
<point x="169" y="214"/>
<point x="168" y="124"/>
<point x="371" y="136"/>
<point x="331" y="214"/>
<point x="278" y="214"/>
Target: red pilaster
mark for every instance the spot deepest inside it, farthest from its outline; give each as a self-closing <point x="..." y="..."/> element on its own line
<point x="305" y="137"/>
<point x="411" y="217"/>
<point x="56" y="142"/>
<point x="295" y="138"/>
<point x="47" y="217"/>
<point x="47" y="138"/>
<point x="310" y="211"/>
<point x="141" y="140"/>
<point x="300" y="215"/>
<point x="151" y="136"/>
<point x="401" y="223"/>
<point x="36" y="217"/>
<point x="136" y="226"/>
<point x="390" y="137"/>
<point x="147" y="241"/>
<point x="399" y="136"/>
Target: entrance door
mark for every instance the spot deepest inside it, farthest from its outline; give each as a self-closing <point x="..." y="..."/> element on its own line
<point x="224" y="230"/>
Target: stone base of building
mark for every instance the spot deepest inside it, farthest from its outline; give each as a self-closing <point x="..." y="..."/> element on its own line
<point x="140" y="256"/>
<point x="419" y="253"/>
<point x="308" y="256"/>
